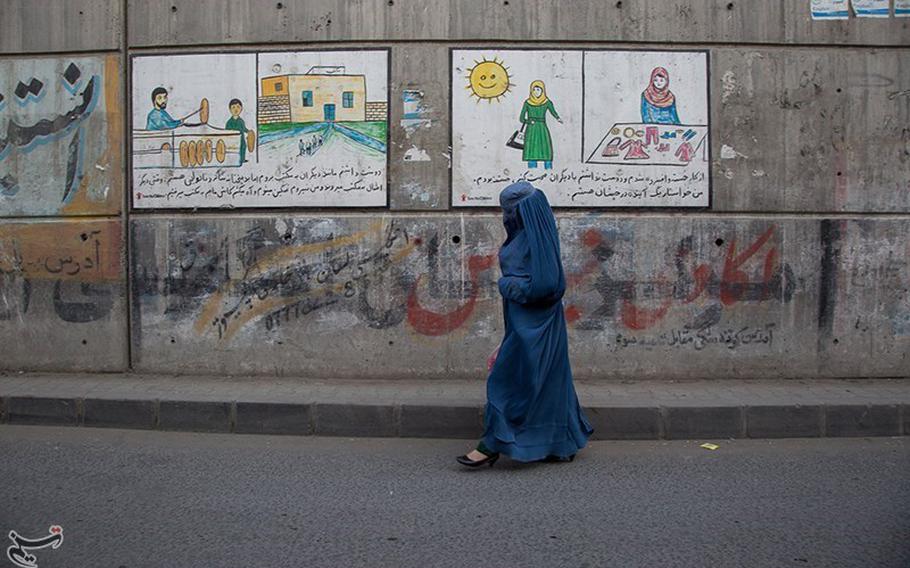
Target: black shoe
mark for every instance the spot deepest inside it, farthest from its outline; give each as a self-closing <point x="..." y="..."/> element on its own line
<point x="551" y="458"/>
<point x="465" y="460"/>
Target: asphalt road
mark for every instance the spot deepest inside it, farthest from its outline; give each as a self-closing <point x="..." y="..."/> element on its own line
<point x="133" y="498"/>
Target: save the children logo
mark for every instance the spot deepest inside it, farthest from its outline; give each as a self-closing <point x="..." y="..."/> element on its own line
<point x="17" y="553"/>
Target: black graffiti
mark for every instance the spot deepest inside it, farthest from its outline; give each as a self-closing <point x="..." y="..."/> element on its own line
<point x="339" y="273"/>
<point x="613" y="291"/>
<point x="393" y="315"/>
<point x="830" y="237"/>
<point x="297" y="310"/>
<point x="699" y="339"/>
<point x="72" y="74"/>
<point x="14" y="282"/>
<point x="34" y="87"/>
<point x="9" y="185"/>
<point x="249" y="245"/>
<point x="453" y="288"/>
<point x="193" y="271"/>
<point x="19" y="135"/>
<point x="73" y="162"/>
<point x="82" y="312"/>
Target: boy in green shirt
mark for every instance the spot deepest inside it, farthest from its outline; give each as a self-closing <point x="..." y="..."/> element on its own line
<point x="236" y="123"/>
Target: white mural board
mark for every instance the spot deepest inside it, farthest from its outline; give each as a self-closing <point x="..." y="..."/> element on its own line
<point x="605" y="128"/>
<point x="311" y="129"/>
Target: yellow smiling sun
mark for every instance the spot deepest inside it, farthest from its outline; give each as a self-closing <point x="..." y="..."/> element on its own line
<point x="488" y="80"/>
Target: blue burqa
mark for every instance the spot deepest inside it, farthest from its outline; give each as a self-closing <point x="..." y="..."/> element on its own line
<point x="532" y="409"/>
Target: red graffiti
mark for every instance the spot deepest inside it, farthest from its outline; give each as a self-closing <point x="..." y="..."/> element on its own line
<point x="734" y="279"/>
<point x="432" y="323"/>
<point x="733" y="285"/>
<point x="573" y="314"/>
<point x="702" y="275"/>
<point x="590" y="239"/>
<point x="642" y="318"/>
<point x="733" y="282"/>
<point x="692" y="282"/>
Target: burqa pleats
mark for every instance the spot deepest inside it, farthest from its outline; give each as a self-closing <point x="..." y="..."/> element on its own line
<point x="532" y="409"/>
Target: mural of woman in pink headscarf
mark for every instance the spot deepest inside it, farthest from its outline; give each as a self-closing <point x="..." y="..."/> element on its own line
<point x="658" y="103"/>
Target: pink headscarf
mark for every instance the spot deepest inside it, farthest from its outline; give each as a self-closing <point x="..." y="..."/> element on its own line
<point x="659" y="97"/>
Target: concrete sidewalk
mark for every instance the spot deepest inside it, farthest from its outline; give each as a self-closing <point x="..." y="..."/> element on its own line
<point x="453" y="409"/>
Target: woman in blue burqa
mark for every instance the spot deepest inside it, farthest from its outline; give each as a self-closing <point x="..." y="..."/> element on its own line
<point x="532" y="411"/>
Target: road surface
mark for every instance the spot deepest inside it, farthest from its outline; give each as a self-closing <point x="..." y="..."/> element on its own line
<point x="135" y="498"/>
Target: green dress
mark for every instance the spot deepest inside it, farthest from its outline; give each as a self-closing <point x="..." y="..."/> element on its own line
<point x="538" y="145"/>
<point x="238" y="125"/>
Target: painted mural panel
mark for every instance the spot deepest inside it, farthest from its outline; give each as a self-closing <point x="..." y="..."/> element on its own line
<point x="592" y="128"/>
<point x="62" y="295"/>
<point x="266" y="129"/>
<point x="60" y="136"/>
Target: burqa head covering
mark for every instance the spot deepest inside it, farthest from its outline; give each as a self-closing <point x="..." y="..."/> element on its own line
<point x="508" y="200"/>
<point x="527" y="213"/>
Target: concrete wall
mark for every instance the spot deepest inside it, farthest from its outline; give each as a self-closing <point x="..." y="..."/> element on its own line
<point x="35" y="26"/>
<point x="655" y="296"/>
<point x="799" y="268"/>
<point x="63" y="295"/>
<point x="62" y="278"/>
<point x="200" y="22"/>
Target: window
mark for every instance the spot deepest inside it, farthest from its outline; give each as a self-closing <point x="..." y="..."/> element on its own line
<point x="278" y="87"/>
<point x="308" y="98"/>
<point x="347" y="99"/>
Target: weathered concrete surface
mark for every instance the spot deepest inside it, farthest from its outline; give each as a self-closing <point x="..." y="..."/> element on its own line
<point x="802" y="130"/>
<point x="811" y="129"/>
<point x="864" y="307"/>
<point x="55" y="25"/>
<point x="193" y="22"/>
<point x="419" y="153"/>
<point x="62" y="296"/>
<point x="414" y="295"/>
<point x="61" y="124"/>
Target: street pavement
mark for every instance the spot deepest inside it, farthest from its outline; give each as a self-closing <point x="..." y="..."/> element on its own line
<point x="131" y="498"/>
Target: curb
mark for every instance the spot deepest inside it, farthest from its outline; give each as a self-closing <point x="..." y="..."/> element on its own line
<point x="455" y="421"/>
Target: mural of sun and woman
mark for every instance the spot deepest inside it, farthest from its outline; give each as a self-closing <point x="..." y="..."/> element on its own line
<point x="544" y="114"/>
<point x="490" y="81"/>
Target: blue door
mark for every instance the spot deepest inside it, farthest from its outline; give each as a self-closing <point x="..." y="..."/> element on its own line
<point x="328" y="112"/>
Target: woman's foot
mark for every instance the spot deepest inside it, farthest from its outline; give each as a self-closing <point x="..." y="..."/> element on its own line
<point x="476" y="455"/>
<point x="479" y="456"/>
<point x="485" y="460"/>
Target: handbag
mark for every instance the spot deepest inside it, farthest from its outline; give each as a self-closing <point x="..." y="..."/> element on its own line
<point x="517" y="139"/>
<point x="612" y="148"/>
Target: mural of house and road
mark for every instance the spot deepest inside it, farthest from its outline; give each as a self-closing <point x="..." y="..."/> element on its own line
<point x="260" y="129"/>
<point x="322" y="101"/>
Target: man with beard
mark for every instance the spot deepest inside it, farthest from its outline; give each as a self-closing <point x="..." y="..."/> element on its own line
<point x="158" y="117"/>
